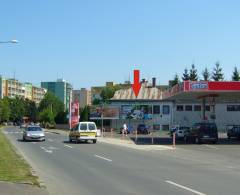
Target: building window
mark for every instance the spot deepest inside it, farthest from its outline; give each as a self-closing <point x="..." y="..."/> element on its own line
<point x="165" y="127"/>
<point x="233" y="108"/>
<point x="207" y="108"/>
<point x="197" y="107"/>
<point x="179" y="107"/>
<point x="166" y="109"/>
<point x="156" y="109"/>
<point x="188" y="108"/>
<point x="156" y="126"/>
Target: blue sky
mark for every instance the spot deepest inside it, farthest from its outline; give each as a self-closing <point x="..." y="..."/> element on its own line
<point x="88" y="42"/>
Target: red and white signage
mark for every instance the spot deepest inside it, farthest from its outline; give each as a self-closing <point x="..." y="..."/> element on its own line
<point x="74" y="116"/>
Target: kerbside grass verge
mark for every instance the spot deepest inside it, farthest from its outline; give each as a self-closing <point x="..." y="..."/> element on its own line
<point x="13" y="168"/>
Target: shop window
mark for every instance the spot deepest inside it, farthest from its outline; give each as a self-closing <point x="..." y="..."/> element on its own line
<point x="179" y="107"/>
<point x="165" y="127"/>
<point x="197" y="107"/>
<point x="156" y="127"/>
<point x="156" y="109"/>
<point x="166" y="109"/>
<point x="207" y="108"/>
<point x="233" y="108"/>
<point x="188" y="108"/>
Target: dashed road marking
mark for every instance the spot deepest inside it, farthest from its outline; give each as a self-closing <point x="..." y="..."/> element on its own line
<point x="185" y="188"/>
<point x="68" y="146"/>
<point x="46" y="150"/>
<point x="212" y="147"/>
<point x="101" y="157"/>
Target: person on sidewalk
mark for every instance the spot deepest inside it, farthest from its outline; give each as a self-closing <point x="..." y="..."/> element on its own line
<point x="124" y="129"/>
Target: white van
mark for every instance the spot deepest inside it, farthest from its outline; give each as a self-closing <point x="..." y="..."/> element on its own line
<point x="84" y="131"/>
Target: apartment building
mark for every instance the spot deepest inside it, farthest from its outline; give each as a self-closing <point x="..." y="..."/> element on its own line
<point x="13" y="88"/>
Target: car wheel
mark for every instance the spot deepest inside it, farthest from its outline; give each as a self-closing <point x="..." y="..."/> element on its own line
<point x="94" y="141"/>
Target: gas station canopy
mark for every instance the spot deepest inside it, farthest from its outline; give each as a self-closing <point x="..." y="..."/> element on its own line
<point x="193" y="90"/>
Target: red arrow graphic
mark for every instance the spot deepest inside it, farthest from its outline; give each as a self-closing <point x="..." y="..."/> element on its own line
<point x="136" y="86"/>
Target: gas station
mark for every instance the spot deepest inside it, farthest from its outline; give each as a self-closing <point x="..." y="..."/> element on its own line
<point x="218" y="101"/>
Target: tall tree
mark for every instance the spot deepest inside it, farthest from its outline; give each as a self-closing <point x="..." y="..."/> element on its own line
<point x="31" y="110"/>
<point x="193" y="73"/>
<point x="47" y="117"/>
<point x="206" y="75"/>
<point x="217" y="74"/>
<point x="235" y="75"/>
<point x="84" y="116"/>
<point x="175" y="81"/>
<point x="17" y="107"/>
<point x="108" y="92"/>
<point x="185" y="76"/>
<point x="52" y="102"/>
<point x="4" y="110"/>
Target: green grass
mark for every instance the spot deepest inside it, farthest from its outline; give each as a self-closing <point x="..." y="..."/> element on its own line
<point x="13" y="168"/>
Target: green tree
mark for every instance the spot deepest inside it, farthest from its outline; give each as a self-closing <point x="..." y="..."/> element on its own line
<point x="206" y="75"/>
<point x="175" y="81"/>
<point x="193" y="73"/>
<point x="31" y="110"/>
<point x="52" y="102"/>
<point x="235" y="75"/>
<point x="17" y="109"/>
<point x="84" y="114"/>
<point x="46" y="116"/>
<point x="108" y="92"/>
<point x="61" y="118"/>
<point x="217" y="74"/>
<point x="4" y="110"/>
<point x="185" y="76"/>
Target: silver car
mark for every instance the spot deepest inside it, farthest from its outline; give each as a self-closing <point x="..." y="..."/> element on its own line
<point x="33" y="133"/>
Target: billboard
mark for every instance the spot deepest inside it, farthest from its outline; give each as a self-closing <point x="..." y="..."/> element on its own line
<point x="107" y="112"/>
<point x="95" y="112"/>
<point x="74" y="119"/>
<point x="142" y="112"/>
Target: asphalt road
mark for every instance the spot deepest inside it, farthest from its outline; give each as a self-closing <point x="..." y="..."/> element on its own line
<point x="104" y="169"/>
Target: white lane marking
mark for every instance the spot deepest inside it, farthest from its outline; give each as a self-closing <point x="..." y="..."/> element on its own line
<point x="209" y="146"/>
<point x="68" y="146"/>
<point x="184" y="187"/>
<point x="34" y="142"/>
<point x="50" y="140"/>
<point x="46" y="150"/>
<point x="52" y="148"/>
<point x="109" y="160"/>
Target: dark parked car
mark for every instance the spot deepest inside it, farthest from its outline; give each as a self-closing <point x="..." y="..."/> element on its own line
<point x="142" y="129"/>
<point x="233" y="131"/>
<point x="202" y="132"/>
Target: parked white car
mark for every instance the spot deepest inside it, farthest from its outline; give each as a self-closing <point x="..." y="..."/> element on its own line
<point x="179" y="131"/>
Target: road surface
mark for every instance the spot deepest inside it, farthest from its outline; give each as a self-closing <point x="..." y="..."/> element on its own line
<point x="104" y="169"/>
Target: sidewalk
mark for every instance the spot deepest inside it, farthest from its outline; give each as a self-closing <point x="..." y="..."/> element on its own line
<point x="119" y="140"/>
<point x="7" y="188"/>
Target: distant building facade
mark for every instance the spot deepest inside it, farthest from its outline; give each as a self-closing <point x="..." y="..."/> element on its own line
<point x="13" y="88"/>
<point x="61" y="89"/>
<point x="83" y="97"/>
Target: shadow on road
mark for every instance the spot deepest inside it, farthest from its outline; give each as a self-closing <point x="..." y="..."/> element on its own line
<point x="78" y="142"/>
<point x="168" y="141"/>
